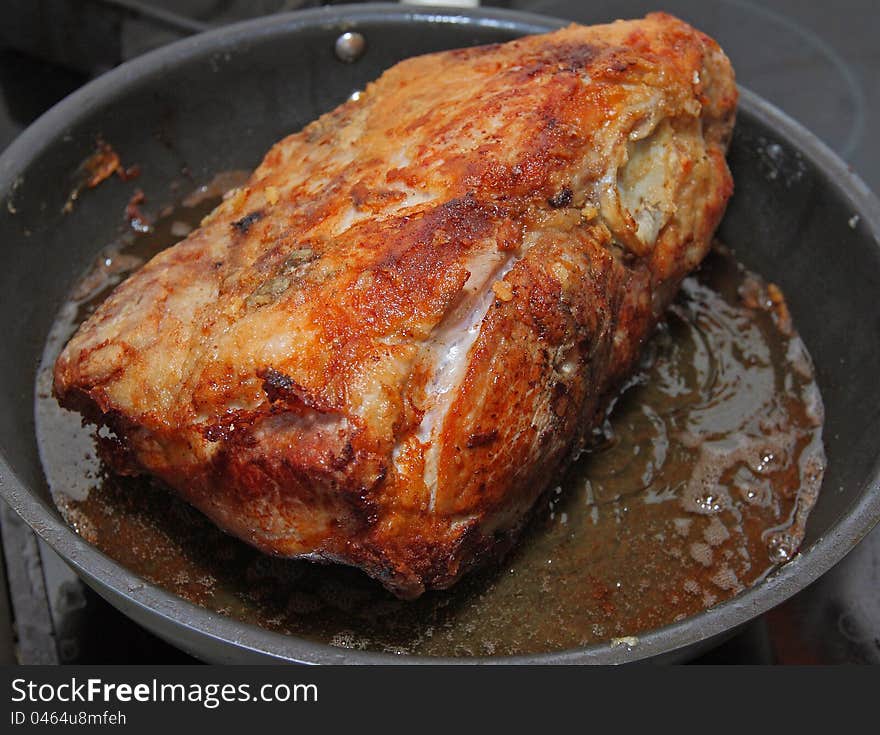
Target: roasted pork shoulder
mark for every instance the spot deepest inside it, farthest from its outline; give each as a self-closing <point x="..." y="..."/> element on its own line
<point x="388" y="344"/>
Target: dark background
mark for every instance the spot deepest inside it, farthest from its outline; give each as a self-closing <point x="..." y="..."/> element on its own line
<point x="818" y="61"/>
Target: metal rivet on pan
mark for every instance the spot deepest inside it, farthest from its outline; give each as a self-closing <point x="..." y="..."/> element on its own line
<point x="350" y="46"/>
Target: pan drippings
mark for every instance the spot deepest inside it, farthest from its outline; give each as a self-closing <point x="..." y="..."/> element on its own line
<point x="698" y="485"/>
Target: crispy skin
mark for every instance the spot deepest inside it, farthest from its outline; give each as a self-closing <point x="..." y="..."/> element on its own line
<point x="387" y="345"/>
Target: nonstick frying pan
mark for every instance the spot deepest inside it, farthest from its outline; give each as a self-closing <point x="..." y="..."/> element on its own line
<point x="217" y="101"/>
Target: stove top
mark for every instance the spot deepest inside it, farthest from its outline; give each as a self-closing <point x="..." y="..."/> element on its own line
<point x="816" y="62"/>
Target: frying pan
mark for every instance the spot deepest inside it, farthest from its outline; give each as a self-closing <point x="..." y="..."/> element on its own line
<point x="217" y="101"/>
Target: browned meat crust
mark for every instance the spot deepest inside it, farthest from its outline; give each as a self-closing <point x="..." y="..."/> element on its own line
<point x="386" y="345"/>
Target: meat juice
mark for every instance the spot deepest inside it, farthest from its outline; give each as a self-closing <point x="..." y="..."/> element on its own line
<point x="697" y="486"/>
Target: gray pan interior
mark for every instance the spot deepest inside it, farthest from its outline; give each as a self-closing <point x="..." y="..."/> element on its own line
<point x="218" y="101"/>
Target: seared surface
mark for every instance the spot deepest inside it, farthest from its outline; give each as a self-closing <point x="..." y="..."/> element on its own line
<point x="386" y="345"/>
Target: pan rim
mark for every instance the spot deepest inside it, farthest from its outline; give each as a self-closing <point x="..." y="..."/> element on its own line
<point x="103" y="573"/>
